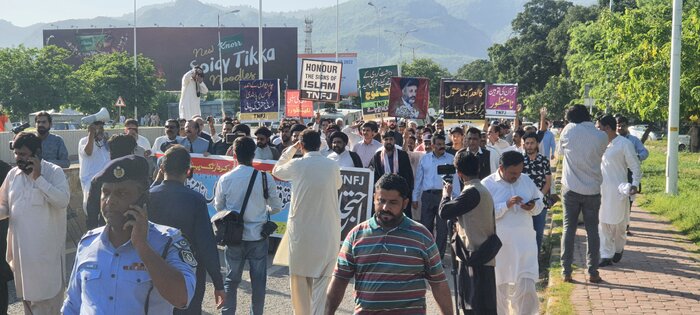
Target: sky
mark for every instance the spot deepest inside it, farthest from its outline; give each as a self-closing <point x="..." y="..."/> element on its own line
<point x="26" y="12"/>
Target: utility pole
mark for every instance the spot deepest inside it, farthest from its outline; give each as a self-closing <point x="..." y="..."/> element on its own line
<point x="673" y="101"/>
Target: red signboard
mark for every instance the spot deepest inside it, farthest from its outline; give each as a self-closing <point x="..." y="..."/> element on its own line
<point x="296" y="107"/>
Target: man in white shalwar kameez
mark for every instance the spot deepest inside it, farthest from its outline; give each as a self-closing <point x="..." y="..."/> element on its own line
<point x="35" y="196"/>
<point x="311" y="242"/>
<point x="192" y="89"/>
<point x="516" y="263"/>
<point x="619" y="156"/>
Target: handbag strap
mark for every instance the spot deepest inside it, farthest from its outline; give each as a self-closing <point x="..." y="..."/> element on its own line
<point x="247" y="193"/>
<point x="266" y="194"/>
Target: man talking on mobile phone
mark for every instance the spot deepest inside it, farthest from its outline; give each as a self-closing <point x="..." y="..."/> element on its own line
<point x="34" y="196"/>
<point x="131" y="265"/>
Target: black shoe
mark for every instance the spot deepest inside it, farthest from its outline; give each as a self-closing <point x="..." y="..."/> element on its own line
<point x="605" y="262"/>
<point x="617" y="257"/>
<point x="629" y="233"/>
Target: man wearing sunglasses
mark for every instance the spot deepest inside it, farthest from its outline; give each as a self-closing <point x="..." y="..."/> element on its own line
<point x="172" y="127"/>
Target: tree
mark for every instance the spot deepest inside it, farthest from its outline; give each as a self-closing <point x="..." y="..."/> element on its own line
<point x="478" y="70"/>
<point x="427" y="68"/>
<point x="618" y="6"/>
<point x="33" y="79"/>
<point x="526" y="59"/>
<point x="103" y="78"/>
<point x="626" y="59"/>
<point x="558" y="94"/>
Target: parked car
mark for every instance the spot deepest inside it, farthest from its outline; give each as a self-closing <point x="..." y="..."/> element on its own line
<point x="638" y="131"/>
<point x="683" y="142"/>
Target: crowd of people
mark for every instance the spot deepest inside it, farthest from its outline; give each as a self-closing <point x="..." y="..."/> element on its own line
<point x="481" y="192"/>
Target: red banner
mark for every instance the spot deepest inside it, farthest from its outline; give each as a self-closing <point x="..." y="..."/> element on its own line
<point x="296" y="107"/>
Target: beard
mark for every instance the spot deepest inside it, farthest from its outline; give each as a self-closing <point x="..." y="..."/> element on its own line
<point x="42" y="131"/>
<point x="389" y="147"/>
<point x="388" y="219"/>
<point x="338" y="149"/>
<point x="261" y="145"/>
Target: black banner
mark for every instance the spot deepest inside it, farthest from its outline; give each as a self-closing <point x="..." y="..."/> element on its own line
<point x="463" y="100"/>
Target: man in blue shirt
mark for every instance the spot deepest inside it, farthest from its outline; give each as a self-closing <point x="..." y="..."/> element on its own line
<point x="174" y="204"/>
<point x="53" y="149"/>
<point x="428" y="189"/>
<point x="129" y="266"/>
<point x="193" y="142"/>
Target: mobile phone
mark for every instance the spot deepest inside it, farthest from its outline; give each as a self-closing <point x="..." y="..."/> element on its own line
<point x="446" y="169"/>
<point x="142" y="202"/>
<point x="532" y="201"/>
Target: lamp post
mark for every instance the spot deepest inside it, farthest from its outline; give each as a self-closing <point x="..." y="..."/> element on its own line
<point x="221" y="68"/>
<point x="674" y="101"/>
<point x="379" y="26"/>
<point x="260" y="42"/>
<point x="337" y="27"/>
<point x="136" y="66"/>
<point x="402" y="37"/>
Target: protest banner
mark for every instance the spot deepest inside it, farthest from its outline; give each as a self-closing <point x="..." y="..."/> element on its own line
<point x="348" y="82"/>
<point x="297" y="108"/>
<point x="409" y="97"/>
<point x="502" y="101"/>
<point x="375" y="84"/>
<point x="462" y="101"/>
<point x="354" y="196"/>
<point x="320" y="80"/>
<point x="260" y="100"/>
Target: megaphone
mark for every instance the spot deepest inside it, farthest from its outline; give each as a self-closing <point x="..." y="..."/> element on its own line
<point x="102" y="115"/>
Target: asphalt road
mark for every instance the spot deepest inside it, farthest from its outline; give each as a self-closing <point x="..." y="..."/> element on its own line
<point x="277" y="299"/>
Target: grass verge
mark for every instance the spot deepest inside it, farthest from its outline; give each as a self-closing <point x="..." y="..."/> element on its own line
<point x="682" y="210"/>
<point x="557" y="295"/>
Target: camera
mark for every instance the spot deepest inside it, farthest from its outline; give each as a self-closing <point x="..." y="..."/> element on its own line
<point x="20" y="128"/>
<point x="446" y="170"/>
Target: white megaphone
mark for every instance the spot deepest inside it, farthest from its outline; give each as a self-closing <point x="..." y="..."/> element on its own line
<point x="102" y="115"/>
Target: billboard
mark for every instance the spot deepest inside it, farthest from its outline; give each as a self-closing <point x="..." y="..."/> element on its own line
<point x="260" y="100"/>
<point x="348" y="83"/>
<point x="374" y="90"/>
<point x="320" y="80"/>
<point x="175" y="50"/>
<point x="502" y="101"/>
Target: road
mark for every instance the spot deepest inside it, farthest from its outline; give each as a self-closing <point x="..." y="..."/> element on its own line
<point x="277" y="299"/>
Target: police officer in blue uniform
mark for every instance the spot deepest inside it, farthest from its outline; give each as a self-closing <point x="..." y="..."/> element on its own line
<point x="130" y="266"/>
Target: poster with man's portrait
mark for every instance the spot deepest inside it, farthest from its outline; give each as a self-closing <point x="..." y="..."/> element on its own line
<point x="409" y="97"/>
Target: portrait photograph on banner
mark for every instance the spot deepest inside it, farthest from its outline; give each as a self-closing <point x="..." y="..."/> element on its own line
<point x="409" y="97"/>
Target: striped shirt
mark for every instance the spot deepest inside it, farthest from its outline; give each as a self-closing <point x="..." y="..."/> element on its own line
<point x="390" y="267"/>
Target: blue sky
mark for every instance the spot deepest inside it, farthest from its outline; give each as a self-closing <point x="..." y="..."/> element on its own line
<point x="27" y="12"/>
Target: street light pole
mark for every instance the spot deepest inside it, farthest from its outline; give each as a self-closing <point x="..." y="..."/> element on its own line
<point x="260" y="42"/>
<point x="136" y="66"/>
<point x="402" y="37"/>
<point x="337" y="27"/>
<point x="673" y="101"/>
<point x="221" y="67"/>
<point x="379" y="26"/>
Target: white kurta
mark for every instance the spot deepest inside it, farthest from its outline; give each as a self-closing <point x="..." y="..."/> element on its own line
<point x="517" y="258"/>
<point x="189" y="101"/>
<point x="37" y="235"/>
<point x="90" y="165"/>
<point x="618" y="157"/>
<point x="313" y="227"/>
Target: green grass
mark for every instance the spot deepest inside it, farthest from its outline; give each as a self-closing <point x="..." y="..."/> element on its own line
<point x="682" y="210"/>
<point x="557" y="297"/>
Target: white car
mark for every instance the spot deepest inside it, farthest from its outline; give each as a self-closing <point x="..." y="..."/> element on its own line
<point x="683" y="142"/>
<point x="638" y="131"/>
